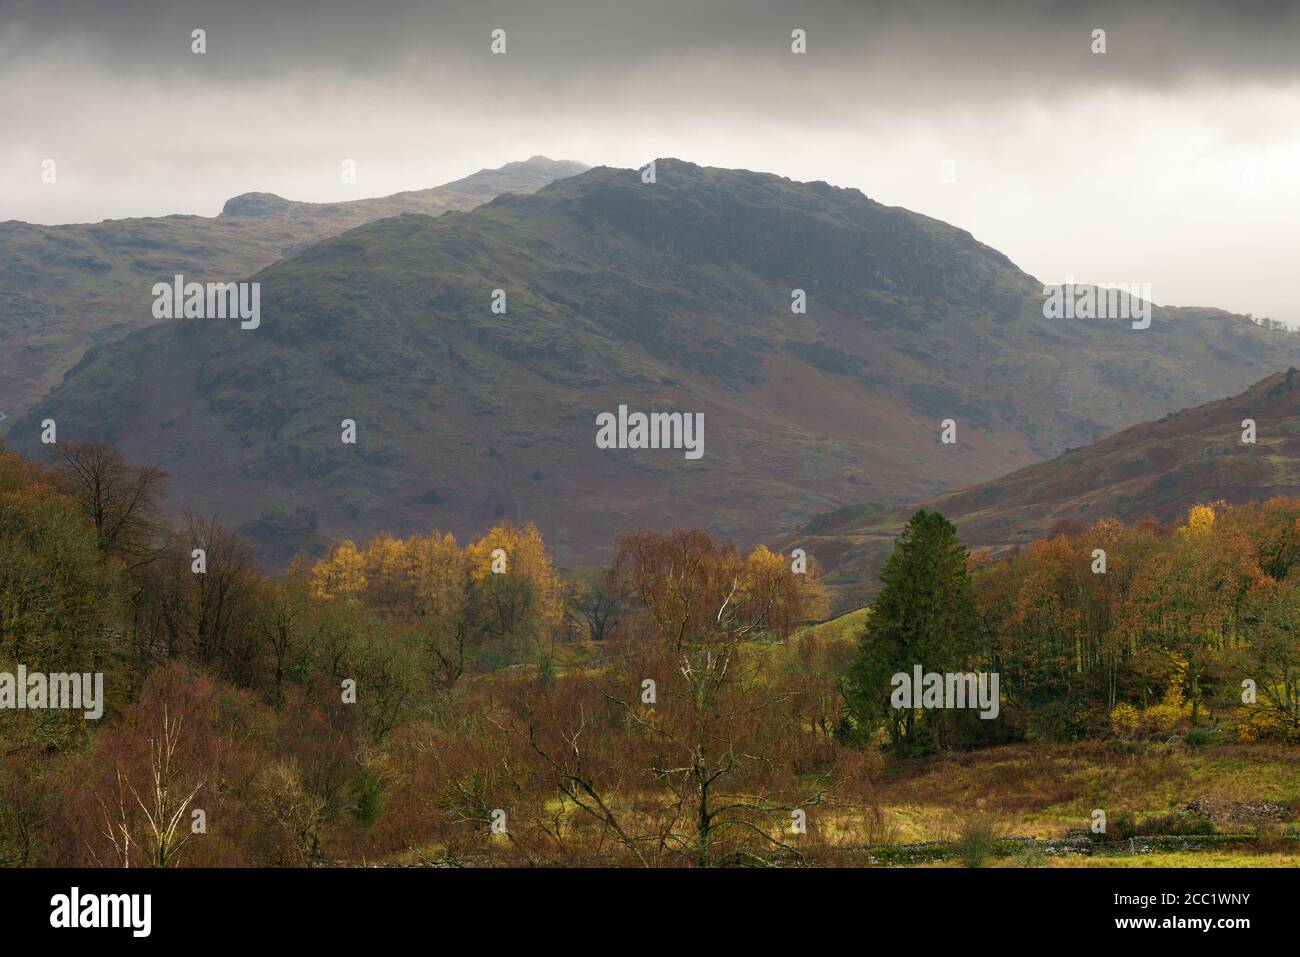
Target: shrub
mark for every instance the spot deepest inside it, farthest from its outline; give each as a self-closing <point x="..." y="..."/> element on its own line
<point x="1260" y="725"/>
<point x="1123" y="826"/>
<point x="1125" y="720"/>
<point x="977" y="843"/>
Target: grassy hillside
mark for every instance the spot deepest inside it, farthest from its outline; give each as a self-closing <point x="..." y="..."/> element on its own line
<point x="1159" y="468"/>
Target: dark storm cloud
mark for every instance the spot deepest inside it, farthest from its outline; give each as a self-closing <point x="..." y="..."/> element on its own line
<point x="1015" y="48"/>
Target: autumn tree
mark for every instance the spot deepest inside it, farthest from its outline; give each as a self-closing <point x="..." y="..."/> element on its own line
<point x="713" y="735"/>
<point x="1272" y="661"/>
<point x="516" y="596"/>
<point x="1191" y="596"/>
<point x="341" y="575"/>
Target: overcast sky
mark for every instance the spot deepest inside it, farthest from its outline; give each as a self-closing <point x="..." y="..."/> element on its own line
<point x="1173" y="158"/>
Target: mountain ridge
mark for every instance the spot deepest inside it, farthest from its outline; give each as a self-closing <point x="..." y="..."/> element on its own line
<point x="64" y="288"/>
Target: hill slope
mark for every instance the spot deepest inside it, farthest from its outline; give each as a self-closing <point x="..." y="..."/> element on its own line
<point x="1159" y="468"/>
<point x="64" y="288"/>
<point x="673" y="296"/>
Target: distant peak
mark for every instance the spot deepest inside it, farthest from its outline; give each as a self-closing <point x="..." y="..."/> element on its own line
<point x="545" y="162"/>
<point x="255" y="204"/>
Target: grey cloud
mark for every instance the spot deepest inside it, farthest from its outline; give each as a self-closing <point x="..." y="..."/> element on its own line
<point x="1011" y="47"/>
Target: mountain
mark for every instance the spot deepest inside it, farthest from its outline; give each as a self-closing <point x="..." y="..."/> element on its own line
<point x="672" y="296"/>
<point x="63" y="288"/>
<point x="1160" y="469"/>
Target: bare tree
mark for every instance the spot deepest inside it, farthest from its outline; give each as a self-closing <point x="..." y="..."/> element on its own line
<point x="597" y="603"/>
<point x="120" y="499"/>
<point x="164" y="804"/>
<point x="223" y="591"/>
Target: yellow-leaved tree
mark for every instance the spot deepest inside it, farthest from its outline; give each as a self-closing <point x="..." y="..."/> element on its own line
<point x="436" y="572"/>
<point x="385" y="570"/>
<point x="522" y="553"/>
<point x="767" y="584"/>
<point x="341" y="575"/>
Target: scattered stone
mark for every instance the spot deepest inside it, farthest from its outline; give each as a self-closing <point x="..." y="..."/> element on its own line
<point x="1236" y="812"/>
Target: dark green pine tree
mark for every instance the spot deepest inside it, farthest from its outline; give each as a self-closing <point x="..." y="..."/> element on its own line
<point x="924" y="615"/>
